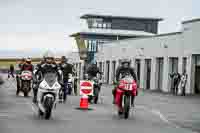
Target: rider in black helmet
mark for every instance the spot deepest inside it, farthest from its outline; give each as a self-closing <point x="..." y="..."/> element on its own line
<point x="121" y="71"/>
<point x="48" y="65"/>
<point x="93" y="70"/>
<point x="67" y="69"/>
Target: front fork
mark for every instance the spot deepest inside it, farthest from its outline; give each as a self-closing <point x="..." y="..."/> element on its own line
<point x="119" y="98"/>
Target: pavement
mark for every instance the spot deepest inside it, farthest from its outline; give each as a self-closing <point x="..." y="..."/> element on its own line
<point x="154" y="113"/>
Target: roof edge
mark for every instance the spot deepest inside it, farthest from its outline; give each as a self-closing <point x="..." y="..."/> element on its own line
<point x="85" y="16"/>
<point x="146" y="37"/>
<point x="191" y="21"/>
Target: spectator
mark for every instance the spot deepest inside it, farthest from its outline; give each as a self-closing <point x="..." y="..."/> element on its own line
<point x="11" y="71"/>
<point x="175" y="76"/>
<point x="1" y="80"/>
<point x="183" y="82"/>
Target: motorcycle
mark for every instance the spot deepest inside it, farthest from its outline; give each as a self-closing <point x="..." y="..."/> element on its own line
<point x="70" y="84"/>
<point x="48" y="94"/>
<point x="75" y="85"/>
<point x="126" y="89"/>
<point x="26" y="77"/>
<point x="96" y="87"/>
<point x="67" y="89"/>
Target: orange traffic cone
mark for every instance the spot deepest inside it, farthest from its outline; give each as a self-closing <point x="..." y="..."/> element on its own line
<point x="84" y="102"/>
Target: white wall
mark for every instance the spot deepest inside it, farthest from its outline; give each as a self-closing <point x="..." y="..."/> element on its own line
<point x="153" y="47"/>
<point x="191" y="37"/>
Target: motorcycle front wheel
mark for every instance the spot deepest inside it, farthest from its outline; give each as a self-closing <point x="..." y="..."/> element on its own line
<point x="25" y="88"/>
<point x="126" y="106"/>
<point x="48" y="108"/>
<point x="96" y="95"/>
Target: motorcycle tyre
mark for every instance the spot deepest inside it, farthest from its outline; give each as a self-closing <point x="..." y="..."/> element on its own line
<point x="126" y="106"/>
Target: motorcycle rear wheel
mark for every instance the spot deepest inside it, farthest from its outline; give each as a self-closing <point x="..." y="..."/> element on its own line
<point x="25" y="94"/>
<point x="120" y="113"/>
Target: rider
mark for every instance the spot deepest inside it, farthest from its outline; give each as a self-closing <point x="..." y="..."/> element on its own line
<point x="18" y="72"/>
<point x="27" y="65"/>
<point x="121" y="72"/>
<point x="66" y="69"/>
<point x="93" y="70"/>
<point x="45" y="66"/>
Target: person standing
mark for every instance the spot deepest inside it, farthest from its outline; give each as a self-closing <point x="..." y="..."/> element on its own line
<point x="175" y="76"/>
<point x="183" y="82"/>
<point x="11" y="71"/>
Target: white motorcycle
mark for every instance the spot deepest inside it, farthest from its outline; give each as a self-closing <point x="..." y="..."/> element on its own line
<point x="48" y="95"/>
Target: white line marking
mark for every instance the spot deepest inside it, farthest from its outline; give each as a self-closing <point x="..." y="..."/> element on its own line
<point x="161" y="116"/>
<point x="32" y="107"/>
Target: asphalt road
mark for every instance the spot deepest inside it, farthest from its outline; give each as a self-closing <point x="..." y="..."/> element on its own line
<point x="18" y="115"/>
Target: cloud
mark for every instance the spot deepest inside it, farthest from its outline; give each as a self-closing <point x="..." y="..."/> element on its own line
<point x="28" y="24"/>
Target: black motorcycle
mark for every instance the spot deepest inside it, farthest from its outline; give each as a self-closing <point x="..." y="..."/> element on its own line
<point x="65" y="90"/>
<point x="96" y="91"/>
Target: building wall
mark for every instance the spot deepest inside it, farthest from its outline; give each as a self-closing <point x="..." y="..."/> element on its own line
<point x="166" y="52"/>
<point x="191" y="37"/>
<point x="132" y="47"/>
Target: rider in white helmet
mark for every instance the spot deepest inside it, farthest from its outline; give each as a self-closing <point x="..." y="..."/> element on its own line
<point x="47" y="65"/>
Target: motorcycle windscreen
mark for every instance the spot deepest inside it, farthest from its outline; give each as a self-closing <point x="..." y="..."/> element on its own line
<point x="50" y="78"/>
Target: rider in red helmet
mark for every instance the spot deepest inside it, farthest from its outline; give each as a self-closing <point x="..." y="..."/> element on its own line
<point x="27" y="65"/>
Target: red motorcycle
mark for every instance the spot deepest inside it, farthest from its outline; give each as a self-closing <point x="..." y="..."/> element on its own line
<point x="126" y="89"/>
<point x="26" y="77"/>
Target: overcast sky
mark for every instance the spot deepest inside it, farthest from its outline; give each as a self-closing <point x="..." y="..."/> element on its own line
<point x="39" y="24"/>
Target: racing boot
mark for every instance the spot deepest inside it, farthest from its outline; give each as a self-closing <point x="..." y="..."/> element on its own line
<point x="35" y="95"/>
<point x="132" y="101"/>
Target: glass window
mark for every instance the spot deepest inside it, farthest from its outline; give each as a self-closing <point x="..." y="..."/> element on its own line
<point x="97" y="47"/>
<point x="95" y="24"/>
<point x="109" y="25"/>
<point x="99" y="25"/>
<point x="89" y="45"/>
<point x="184" y="64"/>
<point x="94" y="43"/>
<point x="104" y="25"/>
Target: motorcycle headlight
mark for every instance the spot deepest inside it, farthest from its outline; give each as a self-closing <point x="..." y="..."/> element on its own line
<point x="44" y="85"/>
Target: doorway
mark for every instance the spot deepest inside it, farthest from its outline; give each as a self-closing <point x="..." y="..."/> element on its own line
<point x="147" y="73"/>
<point x="197" y="80"/>
<point x="138" y="64"/>
<point x="159" y="73"/>
<point x="107" y="71"/>
<point x="113" y="70"/>
<point x="173" y="65"/>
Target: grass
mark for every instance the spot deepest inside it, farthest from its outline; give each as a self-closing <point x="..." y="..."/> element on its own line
<point x="6" y="64"/>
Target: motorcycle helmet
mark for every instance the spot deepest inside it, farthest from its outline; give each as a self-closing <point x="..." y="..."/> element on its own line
<point x="23" y="60"/>
<point x="125" y="61"/>
<point x="28" y="60"/>
<point x="49" y="55"/>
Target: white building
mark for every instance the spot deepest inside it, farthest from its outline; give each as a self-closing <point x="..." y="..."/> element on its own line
<point x="156" y="56"/>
